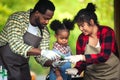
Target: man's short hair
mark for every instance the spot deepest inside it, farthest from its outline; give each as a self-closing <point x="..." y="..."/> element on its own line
<point x="43" y="5"/>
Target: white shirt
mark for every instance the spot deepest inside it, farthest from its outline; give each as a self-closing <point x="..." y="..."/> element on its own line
<point x="33" y="29"/>
<point x="98" y="44"/>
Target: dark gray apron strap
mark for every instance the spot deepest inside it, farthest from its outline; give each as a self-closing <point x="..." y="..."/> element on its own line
<point x="17" y="65"/>
<point x="31" y="39"/>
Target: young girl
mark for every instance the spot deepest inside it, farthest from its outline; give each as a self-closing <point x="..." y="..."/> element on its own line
<point x="62" y="32"/>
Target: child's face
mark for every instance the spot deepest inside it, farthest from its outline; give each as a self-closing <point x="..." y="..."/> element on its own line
<point x="62" y="37"/>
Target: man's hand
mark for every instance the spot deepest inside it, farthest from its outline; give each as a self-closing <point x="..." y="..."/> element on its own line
<point x="50" y="54"/>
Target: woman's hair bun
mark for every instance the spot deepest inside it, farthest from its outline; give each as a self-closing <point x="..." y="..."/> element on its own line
<point x="91" y="7"/>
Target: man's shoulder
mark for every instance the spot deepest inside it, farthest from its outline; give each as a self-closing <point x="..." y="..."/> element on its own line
<point x="20" y="13"/>
<point x="20" y="16"/>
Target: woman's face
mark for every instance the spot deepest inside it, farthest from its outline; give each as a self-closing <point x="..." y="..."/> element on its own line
<point x="62" y="37"/>
<point x="85" y="28"/>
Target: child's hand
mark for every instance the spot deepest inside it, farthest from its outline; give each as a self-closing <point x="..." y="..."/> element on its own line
<point x="59" y="78"/>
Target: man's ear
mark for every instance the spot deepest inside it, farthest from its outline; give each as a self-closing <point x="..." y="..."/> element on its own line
<point x="37" y="13"/>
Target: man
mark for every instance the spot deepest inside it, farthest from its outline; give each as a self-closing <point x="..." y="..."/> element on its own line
<point x="26" y="34"/>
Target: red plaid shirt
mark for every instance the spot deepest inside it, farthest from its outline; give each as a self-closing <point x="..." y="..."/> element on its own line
<point x="107" y="41"/>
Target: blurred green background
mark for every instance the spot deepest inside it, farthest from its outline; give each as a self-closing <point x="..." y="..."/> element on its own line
<point x="64" y="9"/>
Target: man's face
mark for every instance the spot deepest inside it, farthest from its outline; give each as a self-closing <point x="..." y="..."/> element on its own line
<point x="43" y="19"/>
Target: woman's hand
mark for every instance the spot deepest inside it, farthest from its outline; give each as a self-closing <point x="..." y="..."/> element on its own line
<point x="75" y="58"/>
<point x="71" y="71"/>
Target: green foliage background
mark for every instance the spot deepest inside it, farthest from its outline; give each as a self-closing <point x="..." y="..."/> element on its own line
<point x="64" y="9"/>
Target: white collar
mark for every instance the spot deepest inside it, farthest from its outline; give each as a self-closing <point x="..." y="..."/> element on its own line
<point x="32" y="29"/>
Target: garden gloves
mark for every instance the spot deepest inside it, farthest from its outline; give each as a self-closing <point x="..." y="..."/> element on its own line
<point x="75" y="58"/>
<point x="71" y="71"/>
<point x="58" y="63"/>
<point x="50" y="54"/>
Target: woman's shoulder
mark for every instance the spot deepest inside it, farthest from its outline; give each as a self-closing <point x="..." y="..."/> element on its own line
<point x="105" y="28"/>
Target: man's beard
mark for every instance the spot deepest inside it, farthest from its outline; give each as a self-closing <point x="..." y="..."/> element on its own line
<point x="39" y="24"/>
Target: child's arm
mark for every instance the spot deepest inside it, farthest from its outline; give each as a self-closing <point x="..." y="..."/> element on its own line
<point x="58" y="75"/>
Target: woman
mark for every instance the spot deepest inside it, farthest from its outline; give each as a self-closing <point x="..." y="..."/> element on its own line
<point x="96" y="48"/>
